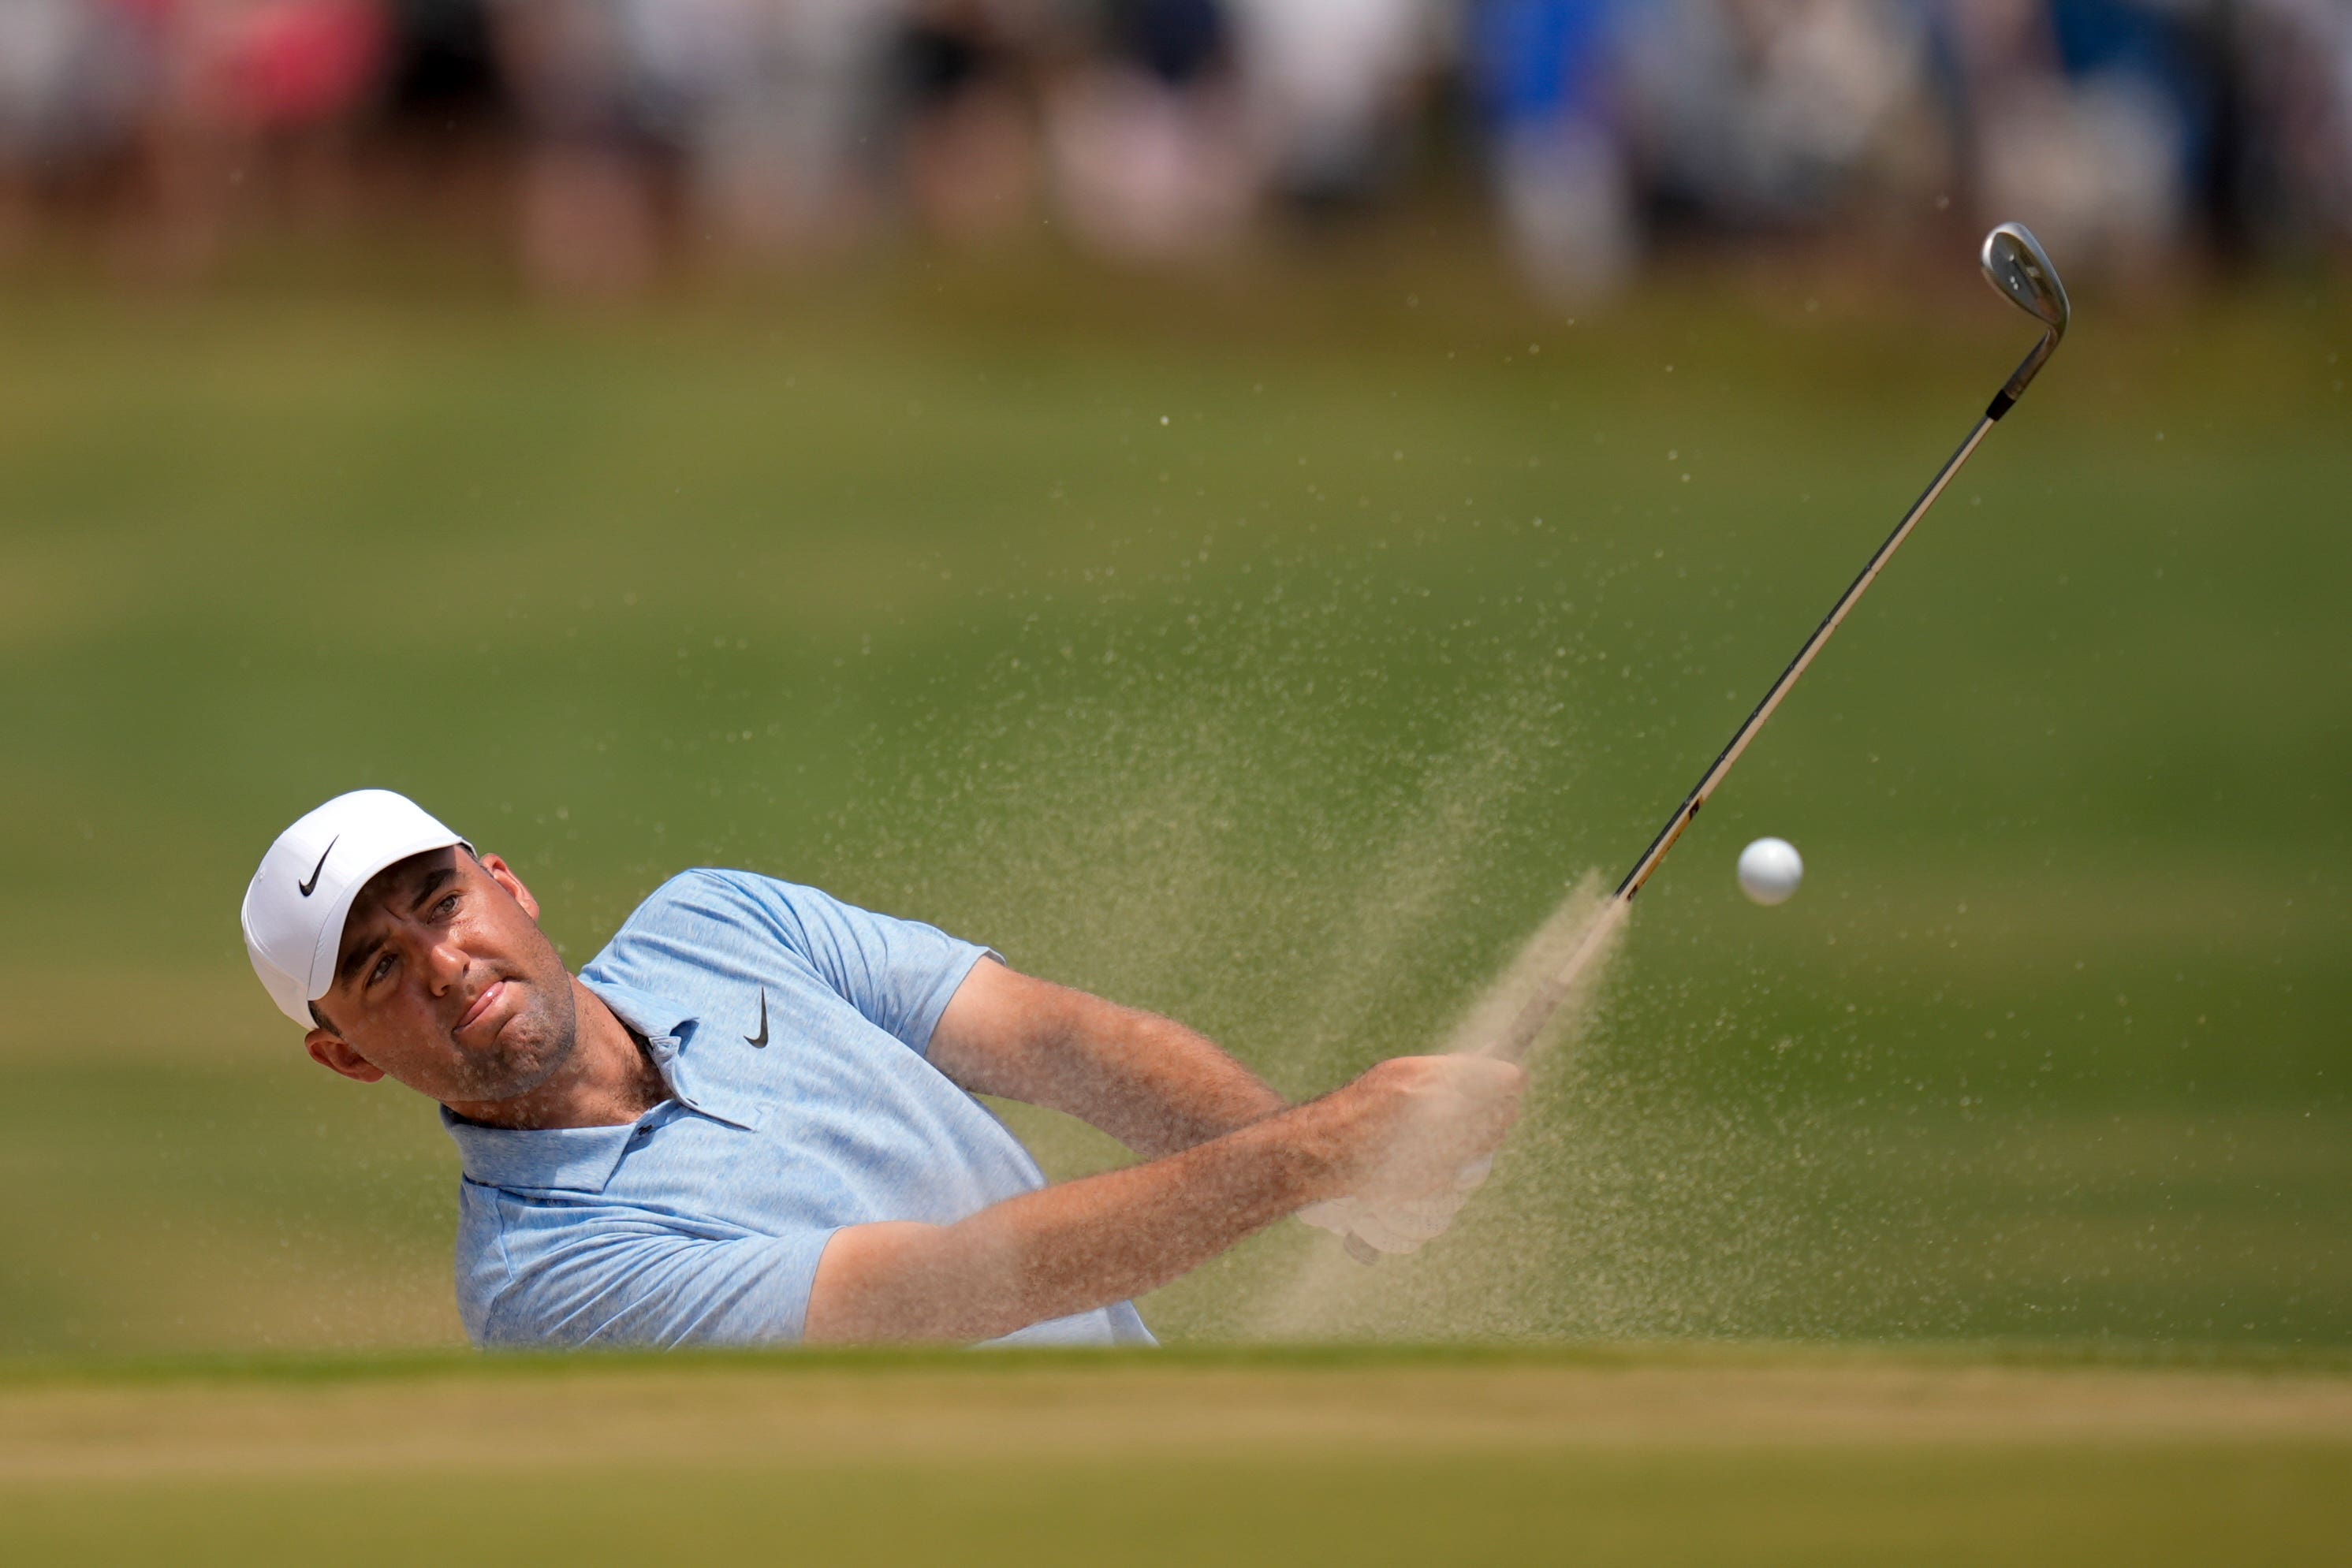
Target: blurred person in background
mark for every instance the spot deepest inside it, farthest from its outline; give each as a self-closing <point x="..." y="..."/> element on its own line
<point x="1145" y="131"/>
<point x="765" y="104"/>
<point x="258" y="101"/>
<point x="968" y="136"/>
<point x="74" y="77"/>
<point x="1544" y="72"/>
<point x="1764" y="114"/>
<point x="443" y="99"/>
<point x="1329" y="85"/>
<point x="2297" y="88"/>
<point x="781" y="160"/>
<point x="588" y="210"/>
<point x="2092" y="120"/>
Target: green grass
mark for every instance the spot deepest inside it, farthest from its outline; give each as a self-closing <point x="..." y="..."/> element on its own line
<point x="1745" y="1453"/>
<point x="267" y="1370"/>
<point x="1285" y="716"/>
<point x="2263" y="1504"/>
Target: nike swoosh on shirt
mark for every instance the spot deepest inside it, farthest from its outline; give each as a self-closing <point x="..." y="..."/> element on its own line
<point x="763" y="1038"/>
<point x="309" y="886"/>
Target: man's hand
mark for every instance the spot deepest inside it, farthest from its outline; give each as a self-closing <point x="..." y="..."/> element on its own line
<point x="1435" y="1108"/>
<point x="1400" y="1225"/>
<point x="1415" y="1121"/>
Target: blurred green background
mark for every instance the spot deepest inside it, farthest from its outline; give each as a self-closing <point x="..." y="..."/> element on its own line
<point x="1272" y="650"/>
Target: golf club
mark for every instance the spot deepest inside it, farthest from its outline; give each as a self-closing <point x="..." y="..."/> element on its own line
<point x="2018" y="269"/>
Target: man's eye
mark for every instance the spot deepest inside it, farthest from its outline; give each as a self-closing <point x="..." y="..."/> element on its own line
<point x="383" y="967"/>
<point x="446" y="907"/>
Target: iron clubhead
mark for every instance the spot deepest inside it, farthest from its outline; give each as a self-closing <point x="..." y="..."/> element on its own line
<point x="2015" y="263"/>
<point x="2019" y="271"/>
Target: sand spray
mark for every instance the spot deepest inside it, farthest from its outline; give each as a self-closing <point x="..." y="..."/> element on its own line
<point x="1191" y="854"/>
<point x="1531" y="1012"/>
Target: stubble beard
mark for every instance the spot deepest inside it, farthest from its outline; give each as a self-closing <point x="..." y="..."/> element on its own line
<point x="534" y="1046"/>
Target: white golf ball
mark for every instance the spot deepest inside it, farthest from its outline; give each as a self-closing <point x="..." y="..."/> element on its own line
<point x="1769" y="871"/>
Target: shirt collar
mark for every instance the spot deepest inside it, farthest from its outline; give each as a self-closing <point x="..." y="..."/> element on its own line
<point x="583" y="1159"/>
<point x="660" y="1019"/>
<point x="674" y="1034"/>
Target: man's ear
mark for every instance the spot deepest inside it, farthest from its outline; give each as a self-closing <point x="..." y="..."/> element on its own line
<point x="330" y="1052"/>
<point x="503" y="875"/>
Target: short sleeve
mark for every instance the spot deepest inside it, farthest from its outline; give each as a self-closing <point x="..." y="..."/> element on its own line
<point x="899" y="974"/>
<point x="647" y="1285"/>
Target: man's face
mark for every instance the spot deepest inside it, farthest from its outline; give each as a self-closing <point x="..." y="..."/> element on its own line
<point x="446" y="982"/>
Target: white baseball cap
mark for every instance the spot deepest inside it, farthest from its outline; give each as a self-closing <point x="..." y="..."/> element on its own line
<point x="295" y="908"/>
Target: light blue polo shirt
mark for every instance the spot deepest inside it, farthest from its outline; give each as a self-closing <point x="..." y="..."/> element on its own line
<point x="790" y="1028"/>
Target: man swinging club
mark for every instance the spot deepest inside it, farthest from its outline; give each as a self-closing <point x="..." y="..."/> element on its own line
<point x="750" y="1119"/>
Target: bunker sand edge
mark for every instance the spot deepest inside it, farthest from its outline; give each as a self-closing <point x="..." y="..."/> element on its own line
<point x="455" y="1423"/>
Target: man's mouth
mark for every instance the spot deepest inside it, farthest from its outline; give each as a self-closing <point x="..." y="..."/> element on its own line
<point x="482" y="1005"/>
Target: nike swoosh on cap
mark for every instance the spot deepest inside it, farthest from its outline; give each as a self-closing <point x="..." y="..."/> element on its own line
<point x="307" y="887"/>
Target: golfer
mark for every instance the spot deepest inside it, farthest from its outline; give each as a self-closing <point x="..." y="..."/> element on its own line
<point x="750" y="1119"/>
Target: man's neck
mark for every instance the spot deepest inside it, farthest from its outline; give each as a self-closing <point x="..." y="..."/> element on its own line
<point x="610" y="1081"/>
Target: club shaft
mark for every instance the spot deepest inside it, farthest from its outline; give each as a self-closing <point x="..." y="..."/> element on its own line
<point x="1779" y="688"/>
<point x="1515" y="1041"/>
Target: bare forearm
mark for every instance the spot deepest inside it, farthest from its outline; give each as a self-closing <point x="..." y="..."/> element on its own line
<point x="1147" y="1081"/>
<point x="1157" y="1086"/>
<point x="1076" y="1246"/>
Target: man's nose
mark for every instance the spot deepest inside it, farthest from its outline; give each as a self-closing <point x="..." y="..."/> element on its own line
<point x="445" y="962"/>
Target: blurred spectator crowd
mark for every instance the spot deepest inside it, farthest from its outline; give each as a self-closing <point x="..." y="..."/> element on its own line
<point x="604" y="138"/>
